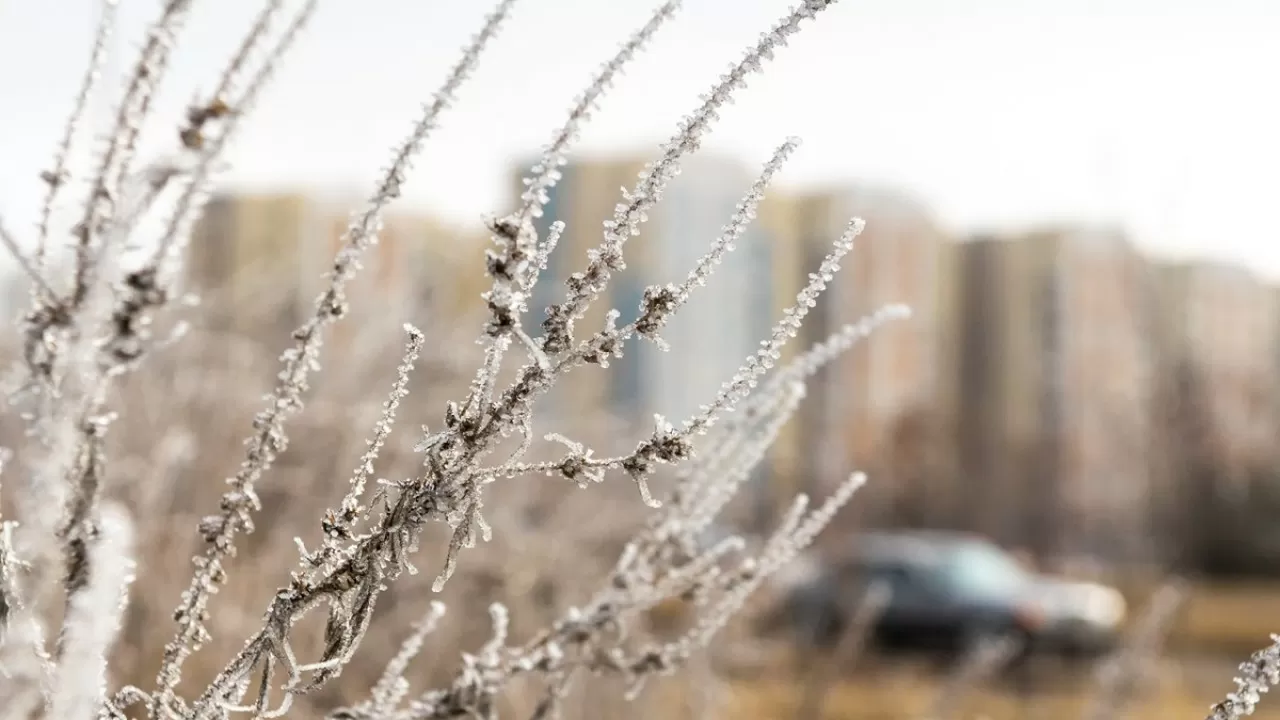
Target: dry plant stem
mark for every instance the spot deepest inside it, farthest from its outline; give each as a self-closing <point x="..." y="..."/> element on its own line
<point x="27" y="670"/>
<point x="1259" y="674"/>
<point x="64" y="483"/>
<point x="79" y="530"/>
<point x="607" y="258"/>
<point x="981" y="662"/>
<point x="58" y="176"/>
<point x="144" y="291"/>
<point x="84" y="476"/>
<point x="232" y="111"/>
<point x="1120" y="674"/>
<point x="121" y="346"/>
<point x="548" y="708"/>
<point x="727" y="438"/>
<point x="449" y="490"/>
<point x="729" y="456"/>
<point x="10" y="565"/>
<point x="852" y="641"/>
<point x="590" y="638"/>
<point x="547" y="172"/>
<point x="218" y="104"/>
<point x="705" y="485"/>
<point x="41" y="288"/>
<point x="339" y="525"/>
<point x="93" y="619"/>
<point x="392" y="686"/>
<point x="147" y="186"/>
<point x="796" y="531"/>
<point x="269" y="439"/>
<point x="58" y="328"/>
<point x="667" y="444"/>
<point x="661" y="562"/>
<point x="24" y="661"/>
<point x="701" y="497"/>
<point x="362" y="551"/>
<point x="841" y="342"/>
<point x="510" y="411"/>
<point x="123" y="343"/>
<point x="115" y="163"/>
<point x="519" y="260"/>
<point x="655" y="313"/>
<point x="660" y="302"/>
<point x="737" y="389"/>
<point x="252" y="40"/>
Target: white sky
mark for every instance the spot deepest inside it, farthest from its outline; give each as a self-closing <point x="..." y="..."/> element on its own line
<point x="1160" y="114"/>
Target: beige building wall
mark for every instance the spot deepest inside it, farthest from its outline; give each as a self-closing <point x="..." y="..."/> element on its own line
<point x="1224" y="322"/>
<point x="872" y="391"/>
<point x="780" y="218"/>
<point x="1107" y="385"/>
<point x="1053" y="389"/>
<point x="249" y="258"/>
<point x="260" y="261"/>
<point x="993" y="380"/>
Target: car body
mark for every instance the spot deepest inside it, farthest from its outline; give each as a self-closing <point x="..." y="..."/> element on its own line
<point x="947" y="591"/>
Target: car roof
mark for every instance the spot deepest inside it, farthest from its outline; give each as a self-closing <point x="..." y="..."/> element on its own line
<point x="907" y="547"/>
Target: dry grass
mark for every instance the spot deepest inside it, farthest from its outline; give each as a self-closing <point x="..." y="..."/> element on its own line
<point x="903" y="693"/>
<point x="1232" y="617"/>
<point x="1228" y="616"/>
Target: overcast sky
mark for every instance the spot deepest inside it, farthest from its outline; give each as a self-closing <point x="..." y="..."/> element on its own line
<point x="1158" y="114"/>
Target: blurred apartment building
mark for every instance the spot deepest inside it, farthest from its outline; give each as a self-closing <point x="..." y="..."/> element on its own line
<point x="259" y="261"/>
<point x="246" y="259"/>
<point x="779" y="228"/>
<point x="1048" y="394"/>
<point x="1022" y="399"/>
<point x="1221" y="324"/>
<point x="869" y="410"/>
<point x="1018" y="401"/>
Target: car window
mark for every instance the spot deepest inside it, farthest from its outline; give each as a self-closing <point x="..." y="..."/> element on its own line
<point x="906" y="583"/>
<point x="985" y="572"/>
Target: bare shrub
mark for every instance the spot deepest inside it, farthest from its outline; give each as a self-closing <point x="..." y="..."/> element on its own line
<point x="101" y="435"/>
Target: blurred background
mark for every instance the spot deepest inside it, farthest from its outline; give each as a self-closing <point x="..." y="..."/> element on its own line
<point x="1073" y="197"/>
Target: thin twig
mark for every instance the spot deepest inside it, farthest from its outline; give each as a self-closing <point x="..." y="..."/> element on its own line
<point x="852" y="641"/>
<point x="11" y="244"/>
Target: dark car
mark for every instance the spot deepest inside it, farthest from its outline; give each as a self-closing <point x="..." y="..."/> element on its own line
<point x="947" y="591"/>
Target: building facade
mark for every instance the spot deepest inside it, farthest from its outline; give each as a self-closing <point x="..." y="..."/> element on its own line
<point x="260" y="261"/>
<point x="877" y="398"/>
<point x="1222" y="323"/>
<point x="1050" y="393"/>
<point x="251" y="255"/>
